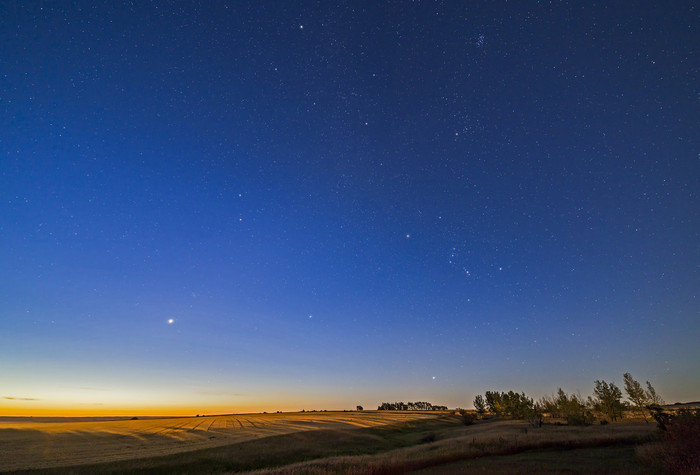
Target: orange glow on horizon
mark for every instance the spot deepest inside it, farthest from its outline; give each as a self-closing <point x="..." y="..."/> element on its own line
<point x="146" y="410"/>
<point x="22" y="409"/>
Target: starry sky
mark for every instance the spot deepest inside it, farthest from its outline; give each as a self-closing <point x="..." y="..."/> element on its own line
<point x="272" y="205"/>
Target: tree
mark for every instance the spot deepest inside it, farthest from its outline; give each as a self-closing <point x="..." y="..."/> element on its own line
<point x="607" y="399"/>
<point x="480" y="404"/>
<point x="494" y="402"/>
<point x="549" y="406"/>
<point x="572" y="407"/>
<point x="637" y="395"/>
<point x="508" y="404"/>
<point x="410" y="406"/>
<point x="536" y="415"/>
<point x="652" y="396"/>
<point x="517" y="405"/>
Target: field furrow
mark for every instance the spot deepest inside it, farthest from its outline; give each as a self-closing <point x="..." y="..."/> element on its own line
<point x="30" y="445"/>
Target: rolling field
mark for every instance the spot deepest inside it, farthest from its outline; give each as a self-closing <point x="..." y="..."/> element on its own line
<point x="492" y="446"/>
<point x="369" y="442"/>
<point x="31" y="445"/>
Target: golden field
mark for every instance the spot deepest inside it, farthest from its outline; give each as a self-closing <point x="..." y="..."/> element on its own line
<point x="360" y="443"/>
<point x="68" y="442"/>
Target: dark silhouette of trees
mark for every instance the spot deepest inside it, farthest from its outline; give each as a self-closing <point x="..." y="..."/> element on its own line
<point x="573" y="408"/>
<point x="606" y="403"/>
<point x="411" y="406"/>
<point x="607" y="399"/>
<point x="508" y="404"/>
<point x="494" y="402"/>
<point x="637" y="395"/>
<point x="653" y="397"/>
<point x="642" y="399"/>
<point x="480" y="404"/>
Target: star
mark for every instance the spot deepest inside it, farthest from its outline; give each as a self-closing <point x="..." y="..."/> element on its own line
<point x="170" y="320"/>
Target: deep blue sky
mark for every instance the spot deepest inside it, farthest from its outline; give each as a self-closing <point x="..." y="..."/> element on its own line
<point x="341" y="203"/>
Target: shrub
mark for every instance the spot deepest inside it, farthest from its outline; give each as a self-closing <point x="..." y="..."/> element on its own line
<point x="468" y="418"/>
<point x="682" y="440"/>
<point x="662" y="418"/>
<point x="535" y="415"/>
<point x="571" y="407"/>
<point x="678" y="450"/>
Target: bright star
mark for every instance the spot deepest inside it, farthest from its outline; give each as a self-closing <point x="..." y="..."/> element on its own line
<point x="170" y="320"/>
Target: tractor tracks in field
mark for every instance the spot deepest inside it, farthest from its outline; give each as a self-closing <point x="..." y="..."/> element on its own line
<point x="173" y="428"/>
<point x="194" y="428"/>
<point x="208" y="424"/>
<point x="233" y="423"/>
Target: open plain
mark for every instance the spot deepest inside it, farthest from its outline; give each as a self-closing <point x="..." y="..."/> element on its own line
<point x="320" y="442"/>
<point x="69" y="442"/>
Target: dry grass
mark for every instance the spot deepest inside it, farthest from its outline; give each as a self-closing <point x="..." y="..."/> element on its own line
<point x="321" y="443"/>
<point x="484" y="440"/>
<point x="617" y="460"/>
<point x="32" y="445"/>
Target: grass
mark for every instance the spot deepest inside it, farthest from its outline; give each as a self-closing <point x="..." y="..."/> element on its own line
<point x="617" y="459"/>
<point x="440" y="445"/>
<point x="67" y="443"/>
<point x="499" y="446"/>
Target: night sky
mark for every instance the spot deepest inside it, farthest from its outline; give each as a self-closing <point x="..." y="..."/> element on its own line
<point x="275" y="205"/>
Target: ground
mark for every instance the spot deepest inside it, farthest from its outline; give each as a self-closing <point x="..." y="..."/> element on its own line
<point x="322" y="442"/>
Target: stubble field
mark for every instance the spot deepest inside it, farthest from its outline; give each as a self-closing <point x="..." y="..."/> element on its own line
<point x="369" y="442"/>
<point x="32" y="445"/>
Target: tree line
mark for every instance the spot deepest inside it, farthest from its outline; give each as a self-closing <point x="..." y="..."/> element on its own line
<point x="410" y="406"/>
<point x="606" y="401"/>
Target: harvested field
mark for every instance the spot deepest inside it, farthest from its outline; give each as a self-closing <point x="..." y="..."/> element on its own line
<point x="30" y="445"/>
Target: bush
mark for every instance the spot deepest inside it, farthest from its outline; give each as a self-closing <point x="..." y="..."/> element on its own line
<point x="662" y="418"/>
<point x="468" y="418"/>
<point x="581" y="418"/>
<point x="572" y="408"/>
<point x="678" y="450"/>
<point x="683" y="442"/>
